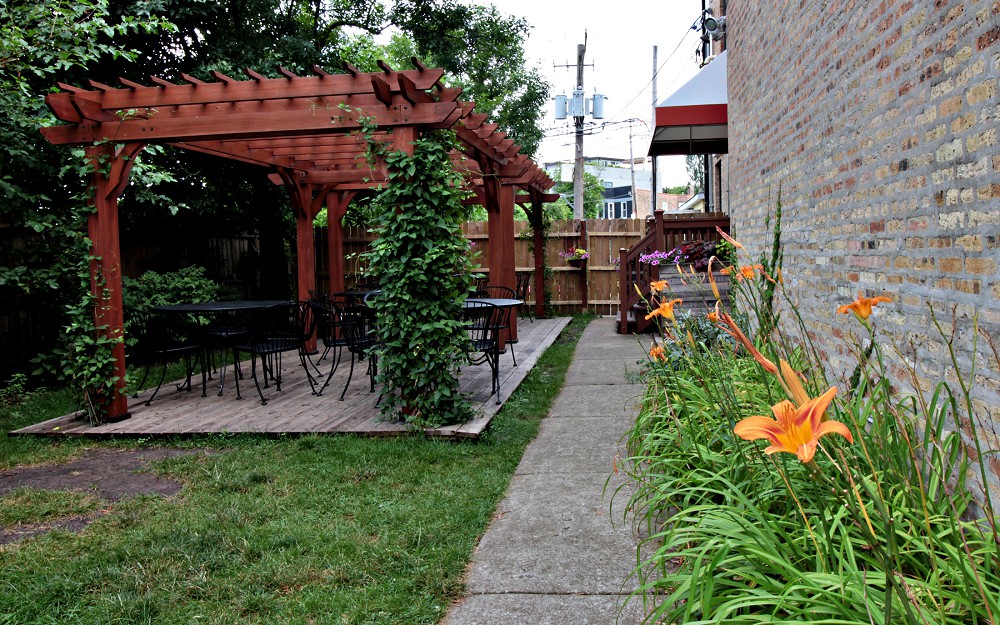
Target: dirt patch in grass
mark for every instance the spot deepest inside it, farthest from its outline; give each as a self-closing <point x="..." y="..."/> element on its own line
<point x="109" y="474"/>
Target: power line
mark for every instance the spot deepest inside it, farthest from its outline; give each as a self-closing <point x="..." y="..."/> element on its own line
<point x="657" y="73"/>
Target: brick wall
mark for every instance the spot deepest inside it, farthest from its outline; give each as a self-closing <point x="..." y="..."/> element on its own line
<point x="878" y="121"/>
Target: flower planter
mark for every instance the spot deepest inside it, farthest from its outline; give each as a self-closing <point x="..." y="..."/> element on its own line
<point x="576" y="262"/>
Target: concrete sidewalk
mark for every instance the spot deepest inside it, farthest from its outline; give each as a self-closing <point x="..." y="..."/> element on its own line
<point x="557" y="553"/>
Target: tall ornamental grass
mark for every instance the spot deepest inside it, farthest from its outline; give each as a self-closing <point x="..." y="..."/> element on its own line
<point x="866" y="505"/>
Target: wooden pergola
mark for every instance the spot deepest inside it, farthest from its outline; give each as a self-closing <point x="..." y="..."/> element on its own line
<point x="301" y="129"/>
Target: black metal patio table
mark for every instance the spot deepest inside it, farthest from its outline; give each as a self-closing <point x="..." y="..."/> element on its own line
<point x="228" y="326"/>
<point x="223" y="306"/>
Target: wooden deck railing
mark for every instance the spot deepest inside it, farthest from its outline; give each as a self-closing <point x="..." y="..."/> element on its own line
<point x="664" y="233"/>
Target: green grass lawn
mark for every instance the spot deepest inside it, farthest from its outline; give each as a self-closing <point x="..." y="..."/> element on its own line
<point x="331" y="529"/>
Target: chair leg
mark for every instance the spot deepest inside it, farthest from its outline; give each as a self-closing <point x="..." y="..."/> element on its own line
<point x="237" y="373"/>
<point x="496" y="375"/>
<point x="145" y="374"/>
<point x="305" y="361"/>
<point x="333" y="369"/>
<point x="349" y="376"/>
<point x="163" y="374"/>
<point x="372" y="371"/>
<point x="256" y="382"/>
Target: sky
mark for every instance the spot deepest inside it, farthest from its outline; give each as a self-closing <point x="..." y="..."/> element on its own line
<point x="620" y="37"/>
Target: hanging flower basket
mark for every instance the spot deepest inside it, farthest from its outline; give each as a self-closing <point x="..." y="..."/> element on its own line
<point x="575" y="256"/>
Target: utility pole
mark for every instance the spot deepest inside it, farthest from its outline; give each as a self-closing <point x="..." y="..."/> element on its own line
<point x="581" y="49"/>
<point x="652" y="192"/>
<point x="631" y="164"/>
<point x="579" y="106"/>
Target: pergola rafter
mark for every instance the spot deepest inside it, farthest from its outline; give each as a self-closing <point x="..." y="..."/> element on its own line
<point x="302" y="129"/>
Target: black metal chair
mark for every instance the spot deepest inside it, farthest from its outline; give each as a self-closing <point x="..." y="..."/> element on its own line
<point x="480" y="281"/>
<point x="160" y="339"/>
<point x="329" y="332"/>
<point x="501" y="292"/>
<point x="358" y="325"/>
<point x="521" y="286"/>
<point x="272" y="332"/>
<point x="226" y="330"/>
<point x="482" y="321"/>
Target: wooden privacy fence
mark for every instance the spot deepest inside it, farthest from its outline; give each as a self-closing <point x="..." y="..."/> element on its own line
<point x="596" y="282"/>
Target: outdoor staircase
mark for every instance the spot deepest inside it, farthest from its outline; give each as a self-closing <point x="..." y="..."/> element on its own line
<point x="663" y="233"/>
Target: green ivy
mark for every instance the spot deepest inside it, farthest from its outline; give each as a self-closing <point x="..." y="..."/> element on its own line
<point x="424" y="270"/>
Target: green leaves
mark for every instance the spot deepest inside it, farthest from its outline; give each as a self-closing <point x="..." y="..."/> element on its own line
<point x="424" y="270"/>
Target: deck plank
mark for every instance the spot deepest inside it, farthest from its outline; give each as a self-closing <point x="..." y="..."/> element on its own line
<point x="296" y="410"/>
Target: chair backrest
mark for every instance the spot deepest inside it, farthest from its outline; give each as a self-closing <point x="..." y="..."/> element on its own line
<point x="522" y="284"/>
<point x="149" y="334"/>
<point x="325" y="317"/>
<point x="357" y="322"/>
<point x="280" y="327"/>
<point x="480" y="282"/>
<point x="497" y="291"/>
<point x="482" y="321"/>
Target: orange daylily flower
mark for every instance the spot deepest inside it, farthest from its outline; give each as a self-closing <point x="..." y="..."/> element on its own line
<point x="862" y="307"/>
<point x="666" y="309"/>
<point x="658" y="285"/>
<point x="657" y="353"/>
<point x="713" y="316"/>
<point x="747" y="272"/>
<point x="794" y="430"/>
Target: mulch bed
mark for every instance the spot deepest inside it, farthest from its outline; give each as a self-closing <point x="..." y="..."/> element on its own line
<point x="110" y="474"/>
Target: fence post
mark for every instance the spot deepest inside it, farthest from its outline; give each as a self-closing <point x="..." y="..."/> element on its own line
<point x="658" y="225"/>
<point x="624" y="285"/>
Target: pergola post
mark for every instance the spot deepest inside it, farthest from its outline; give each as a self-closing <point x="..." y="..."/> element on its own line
<point x="111" y="168"/>
<point x="306" y="203"/>
<point x="501" y="252"/>
<point x="336" y="207"/>
<point x="539" y="244"/>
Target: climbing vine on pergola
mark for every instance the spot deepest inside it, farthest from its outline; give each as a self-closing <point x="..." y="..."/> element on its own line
<point x="301" y="129"/>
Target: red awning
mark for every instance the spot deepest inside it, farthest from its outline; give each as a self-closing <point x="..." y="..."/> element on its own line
<point x="695" y="119"/>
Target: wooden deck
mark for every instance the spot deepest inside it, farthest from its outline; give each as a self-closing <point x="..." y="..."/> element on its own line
<point x="295" y="410"/>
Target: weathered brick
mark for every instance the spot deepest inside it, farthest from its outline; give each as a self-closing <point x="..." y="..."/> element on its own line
<point x="950" y="106"/>
<point x="951" y="221"/>
<point x="968" y="286"/>
<point x="981" y="265"/>
<point x="949" y="151"/>
<point x="963" y="123"/>
<point x="950" y="265"/>
<point x="985" y="139"/>
<point x="970" y="242"/>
